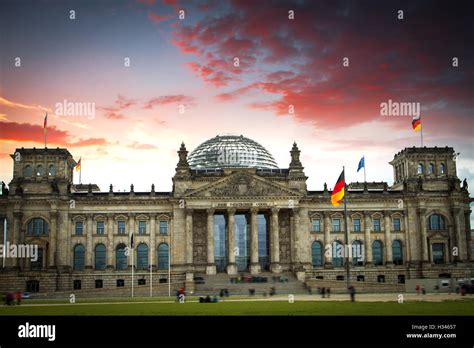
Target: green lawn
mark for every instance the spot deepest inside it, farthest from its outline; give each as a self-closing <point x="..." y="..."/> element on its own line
<point x="458" y="307"/>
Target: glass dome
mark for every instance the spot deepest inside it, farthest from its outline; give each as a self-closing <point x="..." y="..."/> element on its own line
<point x="231" y="151"/>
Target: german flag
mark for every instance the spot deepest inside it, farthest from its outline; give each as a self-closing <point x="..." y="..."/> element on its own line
<point x="78" y="165"/>
<point x="416" y="123"/>
<point x="338" y="191"/>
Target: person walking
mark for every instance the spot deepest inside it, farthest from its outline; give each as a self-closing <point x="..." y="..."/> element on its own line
<point x="352" y="292"/>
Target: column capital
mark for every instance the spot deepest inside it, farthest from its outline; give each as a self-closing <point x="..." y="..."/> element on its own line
<point x="231" y="211"/>
<point x="254" y="210"/>
<point x="189" y="211"/>
<point x="152" y="216"/>
<point x="421" y="211"/>
<point x="131" y="215"/>
<point x="17" y="214"/>
<point x="210" y="211"/>
<point x="367" y="213"/>
<point x="110" y="216"/>
<point x="89" y="216"/>
<point x="327" y="214"/>
<point x="275" y="211"/>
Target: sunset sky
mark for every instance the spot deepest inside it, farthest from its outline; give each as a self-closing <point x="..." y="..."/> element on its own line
<point x="137" y="127"/>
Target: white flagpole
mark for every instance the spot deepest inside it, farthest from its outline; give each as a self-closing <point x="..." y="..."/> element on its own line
<point x="151" y="277"/>
<point x="169" y="270"/>
<point x="421" y="132"/>
<point x="4" y="238"/>
<point x="133" y="256"/>
<point x="365" y="178"/>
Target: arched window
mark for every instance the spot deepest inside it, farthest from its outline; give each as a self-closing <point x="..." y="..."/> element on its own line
<point x="357" y="253"/>
<point x="27" y="171"/>
<point x="163" y="255"/>
<point x="37" y="227"/>
<point x="337" y="254"/>
<point x="431" y="168"/>
<point x="442" y="168"/>
<point x="120" y="257"/>
<point x="437" y="222"/>
<point x="39" y="170"/>
<point x="397" y="253"/>
<point x="52" y="170"/>
<point x="419" y="169"/>
<point x="317" y="254"/>
<point x="377" y="253"/>
<point x="142" y="256"/>
<point x="100" y="257"/>
<point x="79" y="253"/>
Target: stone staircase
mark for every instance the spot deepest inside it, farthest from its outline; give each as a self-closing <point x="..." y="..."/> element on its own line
<point x="340" y="286"/>
<point x="214" y="283"/>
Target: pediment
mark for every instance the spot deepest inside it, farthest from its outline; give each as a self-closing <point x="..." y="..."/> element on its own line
<point x="242" y="184"/>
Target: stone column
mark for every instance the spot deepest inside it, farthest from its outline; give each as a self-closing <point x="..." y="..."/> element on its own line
<point x="327" y="260"/>
<point x="423" y="236"/>
<point x="388" y="238"/>
<point x="211" y="265"/>
<point x="189" y="238"/>
<point x="131" y="229"/>
<point x="254" y="264"/>
<point x="16" y="233"/>
<point x="88" y="264"/>
<point x="275" y="266"/>
<point x="53" y="235"/>
<point x="231" y="266"/>
<point x="110" y="241"/>
<point x="461" y="239"/>
<point x="152" y="250"/>
<point x="368" y="239"/>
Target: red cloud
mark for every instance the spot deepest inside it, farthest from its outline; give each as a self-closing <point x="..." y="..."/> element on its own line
<point x="157" y="18"/>
<point x="26" y="132"/>
<point x="300" y="62"/>
<point x="167" y="99"/>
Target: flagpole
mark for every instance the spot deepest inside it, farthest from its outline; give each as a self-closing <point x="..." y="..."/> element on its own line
<point x="151" y="277"/>
<point x="365" y="178"/>
<point x="421" y="133"/>
<point x="346" y="227"/>
<point x="169" y="270"/>
<point x="80" y="172"/>
<point x="133" y="256"/>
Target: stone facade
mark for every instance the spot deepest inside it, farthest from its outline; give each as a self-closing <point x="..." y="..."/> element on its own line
<point x="426" y="212"/>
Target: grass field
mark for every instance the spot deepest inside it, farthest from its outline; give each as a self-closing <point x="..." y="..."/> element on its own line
<point x="242" y="307"/>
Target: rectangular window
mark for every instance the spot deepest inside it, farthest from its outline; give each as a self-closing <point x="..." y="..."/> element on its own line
<point x="38" y="264"/>
<point x="316" y="225"/>
<point x="100" y="227"/>
<point x="99" y="283"/>
<point x="396" y="224"/>
<point x="142" y="281"/>
<point x="336" y="225"/>
<point x="141" y="227"/>
<point x="376" y="223"/>
<point x="438" y="253"/>
<point x="77" y="284"/>
<point x="121" y="227"/>
<point x="356" y="225"/>
<point x="120" y="283"/>
<point x="79" y="228"/>
<point x="163" y="227"/>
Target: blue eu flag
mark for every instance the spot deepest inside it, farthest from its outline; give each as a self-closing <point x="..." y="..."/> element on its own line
<point x="361" y="163"/>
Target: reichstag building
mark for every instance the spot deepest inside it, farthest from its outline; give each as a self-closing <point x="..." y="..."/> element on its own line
<point x="232" y="210"/>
